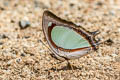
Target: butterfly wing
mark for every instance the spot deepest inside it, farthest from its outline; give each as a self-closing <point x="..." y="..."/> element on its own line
<point x="64" y="46"/>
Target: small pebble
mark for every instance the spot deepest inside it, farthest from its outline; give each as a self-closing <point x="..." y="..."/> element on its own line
<point x="12" y="21"/>
<point x="22" y="54"/>
<point x="71" y="4"/>
<point x="18" y="60"/>
<point x="99" y="3"/>
<point x="24" y="24"/>
<point x="109" y="42"/>
<point x="117" y="59"/>
<point x="40" y="5"/>
<point x="6" y="3"/>
<point x="3" y="36"/>
<point x="112" y="12"/>
<point x="1" y="8"/>
<point x="1" y="43"/>
<point x="26" y="37"/>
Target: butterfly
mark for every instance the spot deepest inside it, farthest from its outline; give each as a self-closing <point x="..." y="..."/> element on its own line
<point x="65" y="39"/>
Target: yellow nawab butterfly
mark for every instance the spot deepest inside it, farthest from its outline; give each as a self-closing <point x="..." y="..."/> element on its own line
<point x="67" y="40"/>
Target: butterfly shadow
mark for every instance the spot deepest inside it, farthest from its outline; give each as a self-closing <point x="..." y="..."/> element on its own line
<point x="65" y="68"/>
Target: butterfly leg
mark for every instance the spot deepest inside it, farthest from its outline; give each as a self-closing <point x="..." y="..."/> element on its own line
<point x="69" y="65"/>
<point x="57" y="65"/>
<point x="95" y="32"/>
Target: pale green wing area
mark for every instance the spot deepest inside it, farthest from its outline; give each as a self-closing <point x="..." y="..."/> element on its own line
<point x="68" y="38"/>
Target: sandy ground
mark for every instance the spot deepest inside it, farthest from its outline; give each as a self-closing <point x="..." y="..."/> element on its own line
<point x="24" y="57"/>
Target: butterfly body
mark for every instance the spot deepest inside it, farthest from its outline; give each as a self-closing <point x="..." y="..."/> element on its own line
<point x="66" y="40"/>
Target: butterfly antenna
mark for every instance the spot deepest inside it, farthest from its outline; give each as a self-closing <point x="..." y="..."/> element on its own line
<point x="102" y="42"/>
